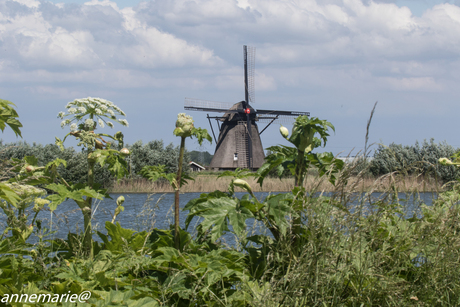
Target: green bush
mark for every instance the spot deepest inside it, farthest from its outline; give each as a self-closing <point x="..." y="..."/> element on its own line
<point x="414" y="160"/>
<point x="76" y="161"/>
<point x="201" y="157"/>
<point x="154" y="153"/>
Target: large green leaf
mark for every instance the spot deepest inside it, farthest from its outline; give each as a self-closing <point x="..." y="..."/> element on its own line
<point x="305" y="129"/>
<point x="75" y="192"/>
<point x="198" y="204"/>
<point x="201" y="135"/>
<point x="217" y="210"/>
<point x="326" y="164"/>
<point x="237" y="219"/>
<point x="8" y="194"/>
<point x="281" y="158"/>
<point x="114" y="160"/>
<point x="119" y="237"/>
<point x="8" y="116"/>
<point x="120" y="298"/>
<point x="279" y="207"/>
<point x="215" y="213"/>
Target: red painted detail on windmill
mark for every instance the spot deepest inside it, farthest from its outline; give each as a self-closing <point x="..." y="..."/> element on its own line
<point x="247" y="111"/>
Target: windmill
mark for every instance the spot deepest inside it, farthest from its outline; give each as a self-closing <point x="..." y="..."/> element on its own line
<point x="239" y="144"/>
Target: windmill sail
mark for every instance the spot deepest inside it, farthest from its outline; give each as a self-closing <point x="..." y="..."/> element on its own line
<point x="207" y="105"/>
<point x="251" y="62"/>
<point x="285" y="113"/>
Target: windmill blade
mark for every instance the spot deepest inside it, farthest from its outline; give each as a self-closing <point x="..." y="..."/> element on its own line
<point x="208" y="106"/>
<point x="251" y="56"/>
<point x="248" y="53"/>
<point x="279" y="112"/>
<point x="281" y="119"/>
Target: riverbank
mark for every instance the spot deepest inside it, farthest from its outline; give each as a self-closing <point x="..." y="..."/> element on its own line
<point x="209" y="183"/>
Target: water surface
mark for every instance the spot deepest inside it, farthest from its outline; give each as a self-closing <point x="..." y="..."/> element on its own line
<point x="146" y="211"/>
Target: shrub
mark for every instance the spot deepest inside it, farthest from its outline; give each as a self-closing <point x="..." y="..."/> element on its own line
<point x="414" y="160"/>
<point x="76" y="161"/>
<point x="154" y="153"/>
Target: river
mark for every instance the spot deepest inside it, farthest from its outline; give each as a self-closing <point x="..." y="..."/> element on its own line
<point x="145" y="211"/>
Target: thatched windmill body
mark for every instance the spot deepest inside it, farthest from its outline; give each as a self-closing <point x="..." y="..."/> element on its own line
<point x="239" y="144"/>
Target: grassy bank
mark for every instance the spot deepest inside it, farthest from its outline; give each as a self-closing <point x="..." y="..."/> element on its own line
<point x="209" y="183"/>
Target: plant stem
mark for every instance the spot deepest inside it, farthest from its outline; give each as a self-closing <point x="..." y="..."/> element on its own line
<point x="299" y="178"/>
<point x="86" y="210"/>
<point x="300" y="168"/>
<point x="176" y="197"/>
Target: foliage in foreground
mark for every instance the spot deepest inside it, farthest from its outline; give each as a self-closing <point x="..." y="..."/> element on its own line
<point x="350" y="255"/>
<point x="343" y="248"/>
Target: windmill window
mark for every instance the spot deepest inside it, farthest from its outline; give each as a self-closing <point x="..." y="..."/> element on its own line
<point x="235" y="157"/>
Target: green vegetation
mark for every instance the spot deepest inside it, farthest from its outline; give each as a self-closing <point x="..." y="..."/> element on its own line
<point x="201" y="157"/>
<point x="343" y="248"/>
<point x="417" y="159"/>
<point x="152" y="153"/>
<point x="184" y="129"/>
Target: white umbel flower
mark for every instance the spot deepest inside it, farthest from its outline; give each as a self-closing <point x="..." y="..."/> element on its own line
<point x="73" y="127"/>
<point x="89" y="123"/>
<point x="124" y="122"/>
<point x="99" y="108"/>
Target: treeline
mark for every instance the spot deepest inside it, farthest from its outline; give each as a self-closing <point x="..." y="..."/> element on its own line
<point x="414" y="160"/>
<point x="152" y="153"/>
<point x="406" y="159"/>
<point x="202" y="157"/>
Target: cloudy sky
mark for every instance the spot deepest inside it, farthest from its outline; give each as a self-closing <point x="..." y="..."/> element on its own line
<point x="333" y="58"/>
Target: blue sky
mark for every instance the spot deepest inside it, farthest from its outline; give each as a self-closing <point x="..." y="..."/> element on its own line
<point x="333" y="58"/>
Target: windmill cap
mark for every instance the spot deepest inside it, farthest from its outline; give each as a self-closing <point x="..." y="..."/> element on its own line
<point x="236" y="116"/>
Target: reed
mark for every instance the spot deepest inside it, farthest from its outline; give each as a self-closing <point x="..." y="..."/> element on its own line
<point x="359" y="249"/>
<point x="210" y="182"/>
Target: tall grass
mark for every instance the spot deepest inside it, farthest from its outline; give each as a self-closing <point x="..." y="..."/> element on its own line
<point x="209" y="183"/>
<point x="361" y="250"/>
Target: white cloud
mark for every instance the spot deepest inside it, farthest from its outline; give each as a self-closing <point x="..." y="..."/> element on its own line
<point x="424" y="84"/>
<point x="95" y="35"/>
<point x="29" y="3"/>
<point x="187" y="34"/>
<point x="103" y="3"/>
<point x="332" y="52"/>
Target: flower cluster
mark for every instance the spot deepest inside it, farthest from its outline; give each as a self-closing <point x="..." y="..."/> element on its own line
<point x="89" y="113"/>
<point x="184" y="125"/>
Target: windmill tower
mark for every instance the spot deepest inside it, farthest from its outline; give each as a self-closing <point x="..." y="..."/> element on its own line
<point x="239" y="144"/>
